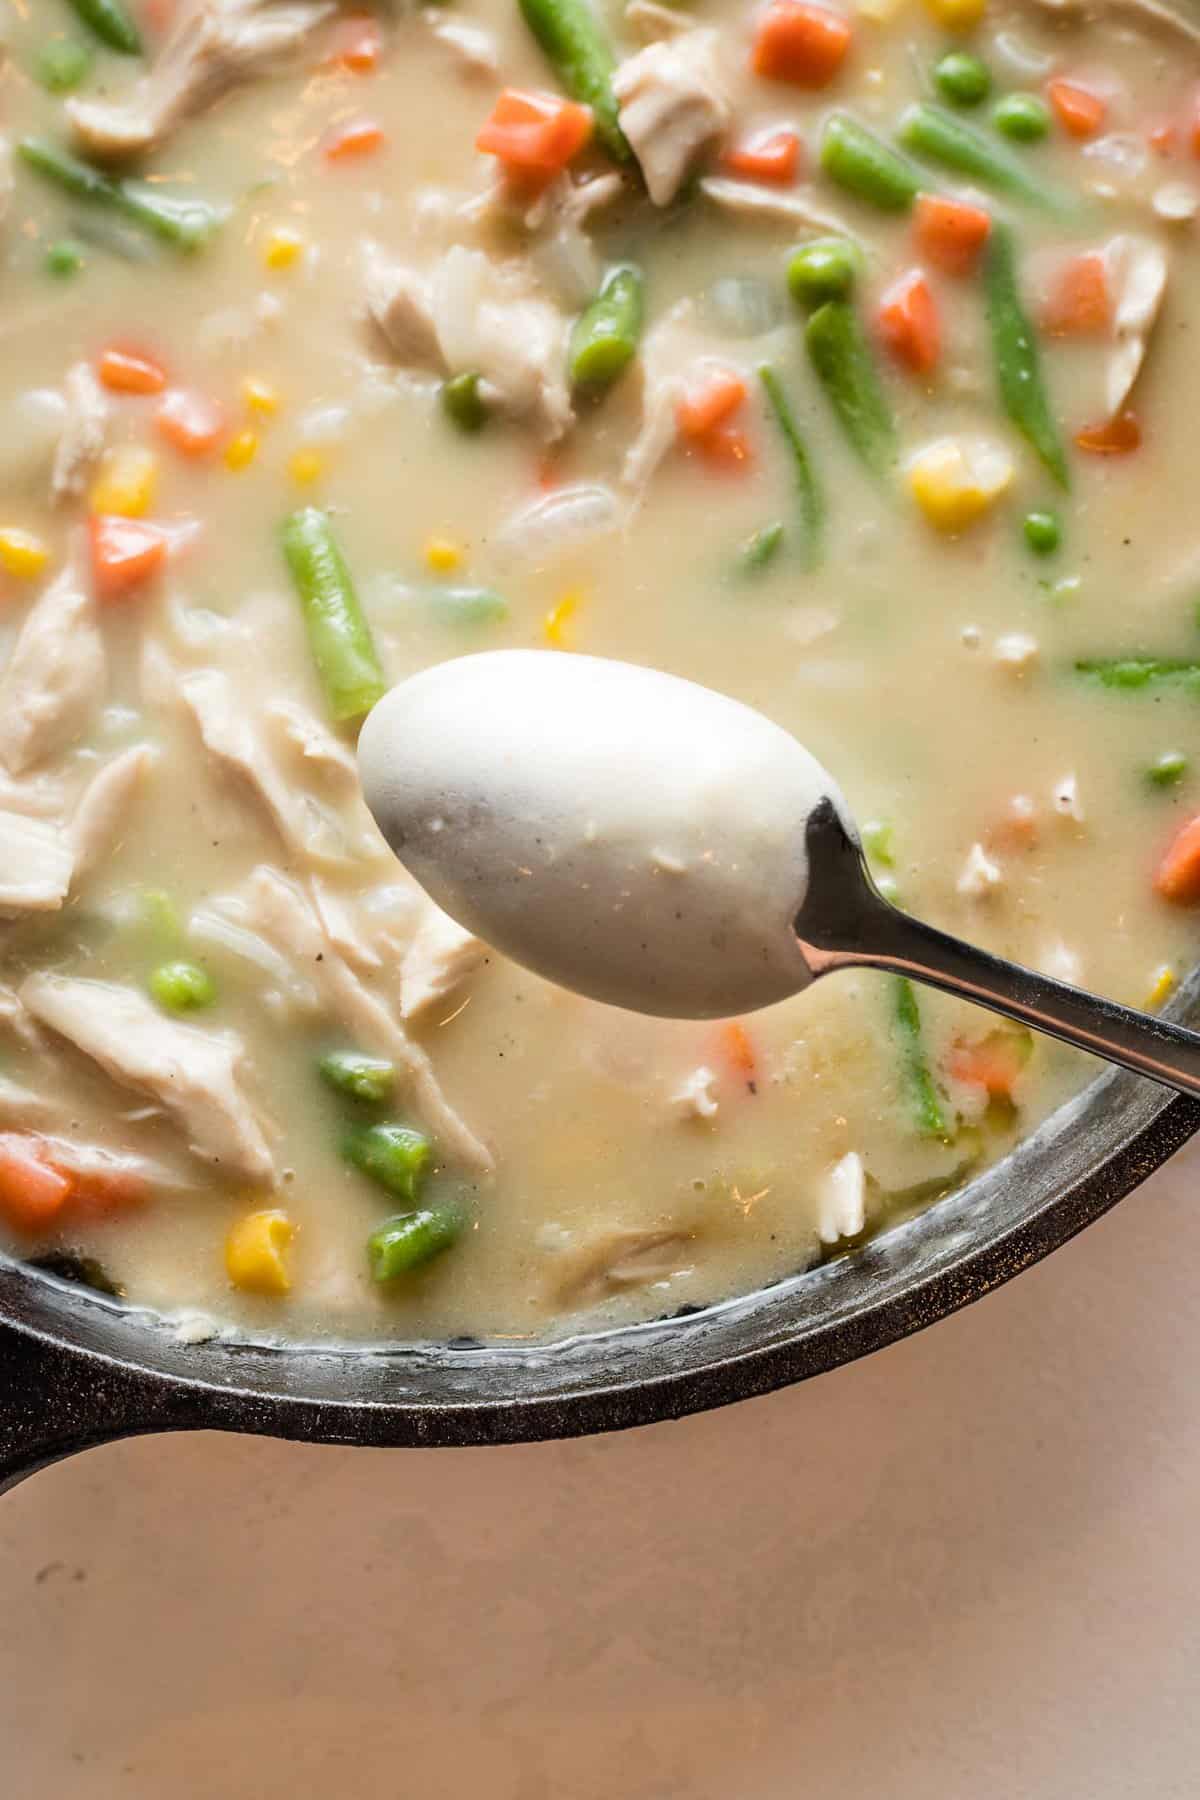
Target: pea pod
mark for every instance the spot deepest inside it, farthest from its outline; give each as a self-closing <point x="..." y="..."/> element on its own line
<point x="410" y="1240"/>
<point x="338" y="634"/>
<point x="574" y="44"/>
<point x="927" y="1113"/>
<point x="1015" y="354"/>
<point x="604" y="338"/>
<point x="808" y="494"/>
<point x="367" y="1079"/>
<point x="395" y="1156"/>
<point x="865" y="166"/>
<point x="841" y="356"/>
<point x="184" y="224"/>
<point x="111" y="22"/>
<point x="937" y="136"/>
<point x="1139" y="671"/>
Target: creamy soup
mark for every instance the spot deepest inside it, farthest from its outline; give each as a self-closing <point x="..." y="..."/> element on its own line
<point x="842" y="361"/>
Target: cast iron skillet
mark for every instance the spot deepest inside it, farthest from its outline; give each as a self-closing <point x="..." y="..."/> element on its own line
<point x="77" y="1369"/>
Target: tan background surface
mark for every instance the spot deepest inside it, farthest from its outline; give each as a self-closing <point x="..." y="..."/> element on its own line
<point x="964" y="1570"/>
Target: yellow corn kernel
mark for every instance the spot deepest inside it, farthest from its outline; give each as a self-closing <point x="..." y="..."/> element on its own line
<point x="127" y="482"/>
<point x="1163" y="986"/>
<point x="255" y="1252"/>
<point x="21" y="553"/>
<point x="443" y="555"/>
<point x="556" y="625"/>
<point x="956" y="15"/>
<point x="955" y="480"/>
<point x="241" y="450"/>
<point x="306" y="466"/>
<point x="260" y="397"/>
<point x="282" y="249"/>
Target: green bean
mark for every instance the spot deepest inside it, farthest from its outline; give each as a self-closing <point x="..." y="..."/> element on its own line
<point x="184" y="224"/>
<point x="761" y="547"/>
<point x="574" y="44"/>
<point x="928" y="1116"/>
<point x="839" y="353"/>
<point x="412" y="1239"/>
<point x="368" y="1079"/>
<point x="111" y="22"/>
<point x="338" y="634"/>
<point x="182" y="987"/>
<point x="1168" y="769"/>
<point x="937" y="136"/>
<point x="1015" y="355"/>
<point x="1139" y="671"/>
<point x="469" y="605"/>
<point x="604" y="338"/>
<point x="395" y="1156"/>
<point x="808" y="493"/>
<point x="463" y="404"/>
<point x="62" y="64"/>
<point x="865" y="166"/>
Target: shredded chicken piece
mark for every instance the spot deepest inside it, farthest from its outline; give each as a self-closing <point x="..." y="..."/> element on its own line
<point x="672" y="105"/>
<point x="773" y="205"/>
<point x="842" y="1200"/>
<point x="473" y="47"/>
<point x="980" y="875"/>
<point x="285" y="916"/>
<point x="36" y="862"/>
<point x="84" y="430"/>
<point x="218" y="45"/>
<point x="670" y="349"/>
<point x="22" y="1107"/>
<point x="103" y="806"/>
<point x="440" y="959"/>
<point x="55" y="677"/>
<point x="312" y="745"/>
<point x="191" y="1072"/>
<point x="654" y="23"/>
<point x="624" y="1257"/>
<point x="696" y="1095"/>
<point x="1137" y="278"/>
<point x="339" y="925"/>
<point x="15" y="1020"/>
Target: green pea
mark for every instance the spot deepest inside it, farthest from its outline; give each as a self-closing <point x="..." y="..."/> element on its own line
<point x="366" y="1078"/>
<point x="762" y="547"/>
<point x="1022" y="117"/>
<point x="463" y="403"/>
<point x="1167" y="769"/>
<point x="62" y="64"/>
<point x="962" y="78"/>
<point x="63" y="259"/>
<point x="395" y="1156"/>
<point x="411" y="1239"/>
<point x="1043" y="532"/>
<point x="825" y="269"/>
<point x="182" y="987"/>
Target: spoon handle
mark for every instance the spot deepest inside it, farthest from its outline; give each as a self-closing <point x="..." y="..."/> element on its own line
<point x="857" y="928"/>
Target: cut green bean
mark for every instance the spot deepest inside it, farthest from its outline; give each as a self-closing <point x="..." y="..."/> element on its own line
<point x="338" y="634"/>
<point x="605" y="336"/>
<point x="580" y="54"/>
<point x="927" y="1113"/>
<point x="368" y="1079"/>
<point x="937" y="136"/>
<point x="841" y="356"/>
<point x="761" y="548"/>
<point x="395" y="1156"/>
<point x="182" y="987"/>
<point x="111" y="22"/>
<point x="62" y="64"/>
<point x="823" y="269"/>
<point x="1015" y="355"/>
<point x="1168" y="769"/>
<point x="410" y="1240"/>
<point x="961" y="78"/>
<point x="463" y="404"/>
<point x="865" y="166"/>
<point x="184" y="224"/>
<point x="1139" y="671"/>
<point x="808" y="494"/>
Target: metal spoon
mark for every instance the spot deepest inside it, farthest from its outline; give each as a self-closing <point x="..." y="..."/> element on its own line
<point x="653" y="844"/>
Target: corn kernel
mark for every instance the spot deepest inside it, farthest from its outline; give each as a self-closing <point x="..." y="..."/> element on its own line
<point x="1162" y="988"/>
<point x="127" y="482"/>
<point x="255" y="1252"/>
<point x="22" y="554"/>
<point x="443" y="555"/>
<point x="241" y="451"/>
<point x="956" y="15"/>
<point x="955" y="480"/>
<point x="260" y="397"/>
<point x="282" y="249"/>
<point x="306" y="466"/>
<point x="556" y="625"/>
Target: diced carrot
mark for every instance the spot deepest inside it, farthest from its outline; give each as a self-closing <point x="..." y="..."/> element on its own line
<point x="1178" y="875"/>
<point x="775" y="158"/>
<point x="1193" y="127"/>
<point x="702" y="410"/>
<point x="800" y="43"/>
<point x="1017" y="826"/>
<point x="1078" y="304"/>
<point x="738" y="1049"/>
<point x="949" y="233"/>
<point x="363" y="137"/>
<point x="1079" y="112"/>
<point x="1111" y="437"/>
<point x="126" y="553"/>
<point x="32" y="1194"/>
<point x="994" y="1062"/>
<point x="535" y="135"/>
<point x="909" y="323"/>
<point x="356" y="44"/>
<point x="727" y="447"/>
<point x="125" y="372"/>
<point x="194" y="424"/>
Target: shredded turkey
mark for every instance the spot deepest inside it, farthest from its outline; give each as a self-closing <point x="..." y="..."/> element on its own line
<point x="773" y="205"/>
<point x="284" y="915"/>
<point x="619" y="1258"/>
<point x="669" y="351"/>
<point x="95" y="828"/>
<point x="55" y="677"/>
<point x="36" y="863"/>
<point x="473" y="314"/>
<point x="472" y="47"/>
<point x="1137" y="279"/>
<point x="82" y="437"/>
<point x="440" y="960"/>
<point x="192" y="1073"/>
<point x="218" y="45"/>
<point x="672" y="107"/>
<point x="654" y="23"/>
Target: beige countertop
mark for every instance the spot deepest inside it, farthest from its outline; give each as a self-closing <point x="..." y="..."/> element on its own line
<point x="965" y="1569"/>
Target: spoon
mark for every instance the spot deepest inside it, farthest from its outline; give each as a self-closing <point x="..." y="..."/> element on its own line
<point x="661" y="847"/>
